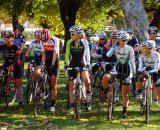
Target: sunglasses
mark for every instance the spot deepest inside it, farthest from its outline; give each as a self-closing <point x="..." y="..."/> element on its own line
<point x="72" y="34"/>
<point x="152" y="33"/>
<point x="102" y="39"/>
<point x="124" y="40"/>
<point x="114" y="38"/>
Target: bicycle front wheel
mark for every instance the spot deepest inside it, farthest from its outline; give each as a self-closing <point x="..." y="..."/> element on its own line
<point x="147" y="107"/>
<point x="77" y="100"/>
<point x="10" y="93"/>
<point x="37" y="99"/>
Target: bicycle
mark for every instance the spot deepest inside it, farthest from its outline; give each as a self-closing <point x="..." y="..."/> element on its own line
<point x="42" y="92"/>
<point x="146" y="101"/>
<point x="7" y="88"/>
<point x="30" y="83"/>
<point x="97" y="84"/>
<point x="80" y="92"/>
<point x="112" y="95"/>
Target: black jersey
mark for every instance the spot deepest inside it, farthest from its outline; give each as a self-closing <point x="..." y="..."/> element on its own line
<point x="9" y="53"/>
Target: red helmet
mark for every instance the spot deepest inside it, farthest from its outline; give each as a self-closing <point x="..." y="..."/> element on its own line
<point x="113" y="34"/>
<point x="45" y="36"/>
<point x="8" y="34"/>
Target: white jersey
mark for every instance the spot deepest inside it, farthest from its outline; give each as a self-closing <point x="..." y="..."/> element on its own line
<point x="124" y="55"/>
<point x="37" y="46"/>
<point x="152" y="61"/>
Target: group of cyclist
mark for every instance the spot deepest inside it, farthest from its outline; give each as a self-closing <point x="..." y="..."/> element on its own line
<point x="122" y="52"/>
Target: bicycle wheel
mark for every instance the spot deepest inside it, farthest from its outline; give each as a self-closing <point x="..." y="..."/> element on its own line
<point x="37" y="99"/>
<point x="47" y="94"/>
<point x="1" y="86"/>
<point x="77" y="100"/>
<point x="30" y="91"/>
<point x="111" y="103"/>
<point x="147" y="107"/>
<point x="96" y="87"/>
<point x="10" y="92"/>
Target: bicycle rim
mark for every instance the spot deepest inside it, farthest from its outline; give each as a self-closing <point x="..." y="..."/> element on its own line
<point x="77" y="101"/>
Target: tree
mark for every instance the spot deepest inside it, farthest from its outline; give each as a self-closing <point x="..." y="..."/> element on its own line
<point x="68" y="11"/>
<point x="136" y="17"/>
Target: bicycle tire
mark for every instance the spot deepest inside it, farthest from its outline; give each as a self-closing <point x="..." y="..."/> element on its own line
<point x="96" y="87"/>
<point x="77" y="100"/>
<point x="1" y="86"/>
<point x="10" y="93"/>
<point x="111" y="104"/>
<point x="37" y="100"/>
<point x="147" y="114"/>
<point x="30" y="91"/>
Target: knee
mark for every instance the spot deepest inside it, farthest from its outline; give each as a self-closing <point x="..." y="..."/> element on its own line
<point x="18" y="83"/>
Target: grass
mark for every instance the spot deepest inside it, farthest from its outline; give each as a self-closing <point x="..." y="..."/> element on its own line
<point x="94" y="120"/>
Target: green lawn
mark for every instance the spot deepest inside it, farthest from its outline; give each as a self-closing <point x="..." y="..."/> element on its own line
<point x="94" y="120"/>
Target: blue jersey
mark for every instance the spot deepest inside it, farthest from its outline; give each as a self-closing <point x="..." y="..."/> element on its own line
<point x="19" y="41"/>
<point x="133" y="42"/>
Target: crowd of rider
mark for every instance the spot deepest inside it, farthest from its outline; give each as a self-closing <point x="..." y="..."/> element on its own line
<point x="121" y="51"/>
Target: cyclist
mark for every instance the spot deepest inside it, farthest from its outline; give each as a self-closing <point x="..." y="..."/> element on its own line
<point x="37" y="48"/>
<point x="77" y="55"/>
<point x="151" y="60"/>
<point x="98" y="51"/>
<point x="11" y="55"/>
<point x="111" y="61"/>
<point x="19" y="38"/>
<point x="51" y="62"/>
<point x="35" y="52"/>
<point x="133" y="42"/>
<point x="125" y="65"/>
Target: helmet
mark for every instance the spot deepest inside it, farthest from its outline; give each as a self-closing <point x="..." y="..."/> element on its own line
<point x="153" y="28"/>
<point x="8" y="33"/>
<point x="123" y="35"/>
<point x="20" y="27"/>
<point x="76" y="28"/>
<point x="102" y="35"/>
<point x="130" y="31"/>
<point x="37" y="32"/>
<point x="148" y="44"/>
<point x="113" y="34"/>
<point x="45" y="36"/>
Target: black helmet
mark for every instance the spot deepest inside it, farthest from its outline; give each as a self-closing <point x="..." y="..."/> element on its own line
<point x="20" y="27"/>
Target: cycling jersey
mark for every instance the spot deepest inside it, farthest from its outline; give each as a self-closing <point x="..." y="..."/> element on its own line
<point x="124" y="55"/>
<point x="98" y="51"/>
<point x="37" y="46"/>
<point x="10" y="57"/>
<point x="152" y="61"/>
<point x="19" y="41"/>
<point x="49" y="48"/>
<point x="157" y="43"/>
<point x="77" y="55"/>
<point x="9" y="53"/>
<point x="133" y="42"/>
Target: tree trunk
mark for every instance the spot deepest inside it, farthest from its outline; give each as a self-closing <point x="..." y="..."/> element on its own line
<point x="68" y="10"/>
<point x="14" y="21"/>
<point x="136" y="18"/>
<point x="156" y="19"/>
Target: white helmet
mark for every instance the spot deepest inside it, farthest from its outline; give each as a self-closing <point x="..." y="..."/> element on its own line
<point x="76" y="28"/>
<point x="149" y="44"/>
<point x="123" y="35"/>
<point x="102" y="35"/>
<point x="152" y="28"/>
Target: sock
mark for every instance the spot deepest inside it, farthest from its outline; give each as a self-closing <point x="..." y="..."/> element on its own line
<point x="53" y="103"/>
<point x="124" y="109"/>
<point x="72" y="105"/>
